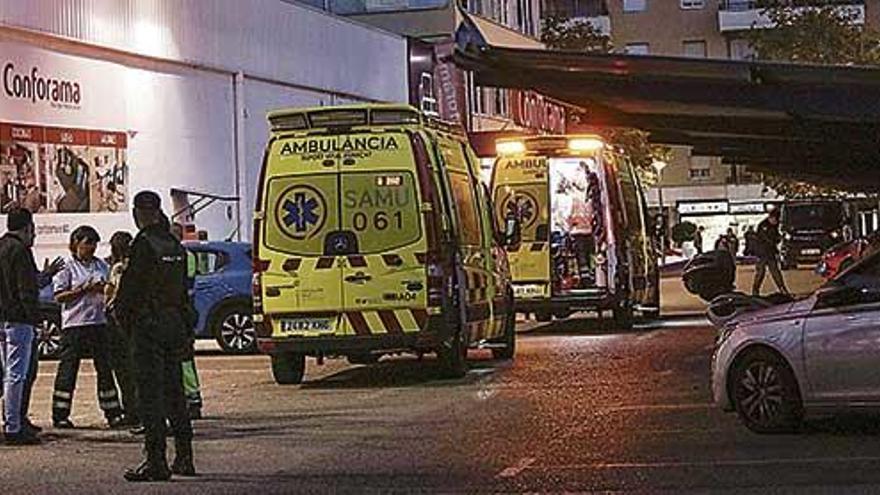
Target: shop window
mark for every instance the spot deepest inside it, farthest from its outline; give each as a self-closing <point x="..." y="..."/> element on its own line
<point x="428" y="101"/>
<point x="637" y="49"/>
<point x="694" y="49"/>
<point x="635" y="5"/>
<point x="699" y="174"/>
<point x="692" y="4"/>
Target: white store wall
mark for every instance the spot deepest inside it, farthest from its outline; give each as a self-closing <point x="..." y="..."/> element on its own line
<point x="176" y="74"/>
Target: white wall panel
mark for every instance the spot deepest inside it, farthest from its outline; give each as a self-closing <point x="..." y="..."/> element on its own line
<point x="269" y="39"/>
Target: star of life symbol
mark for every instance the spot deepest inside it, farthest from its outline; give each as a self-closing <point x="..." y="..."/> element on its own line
<point x="301" y="212"/>
<point x="523" y="206"/>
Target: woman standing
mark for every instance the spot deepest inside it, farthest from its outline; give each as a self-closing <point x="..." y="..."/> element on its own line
<point x="79" y="288"/>
<point x="119" y="337"/>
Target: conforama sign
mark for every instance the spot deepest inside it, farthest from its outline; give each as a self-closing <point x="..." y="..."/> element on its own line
<point x="532" y="111"/>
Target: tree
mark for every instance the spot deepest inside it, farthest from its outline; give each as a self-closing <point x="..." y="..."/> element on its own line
<point x="826" y="35"/>
<point x="580" y="35"/>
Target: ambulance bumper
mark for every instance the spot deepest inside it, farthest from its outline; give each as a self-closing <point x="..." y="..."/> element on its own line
<point x="342" y="345"/>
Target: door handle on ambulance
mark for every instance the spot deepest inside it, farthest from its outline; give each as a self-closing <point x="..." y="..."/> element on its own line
<point x="358" y="278"/>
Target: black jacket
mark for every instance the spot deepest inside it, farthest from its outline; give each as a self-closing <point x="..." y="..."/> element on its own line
<point x="767" y="239"/>
<point x="155" y="280"/>
<point x="19" y="293"/>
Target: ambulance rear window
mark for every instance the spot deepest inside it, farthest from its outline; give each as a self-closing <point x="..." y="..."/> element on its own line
<point x="381" y="208"/>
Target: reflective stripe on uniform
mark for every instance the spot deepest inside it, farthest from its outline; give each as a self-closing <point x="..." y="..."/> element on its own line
<point x="107" y="394"/>
<point x="60" y="394"/>
<point x="113" y="404"/>
<point x="61" y="404"/>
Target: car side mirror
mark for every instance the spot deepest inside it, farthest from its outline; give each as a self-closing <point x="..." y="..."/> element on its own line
<point x="838" y="295"/>
<point x="512" y="231"/>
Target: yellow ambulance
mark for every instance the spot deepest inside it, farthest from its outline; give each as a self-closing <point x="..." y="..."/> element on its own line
<point x="373" y="235"/>
<point x="580" y="239"/>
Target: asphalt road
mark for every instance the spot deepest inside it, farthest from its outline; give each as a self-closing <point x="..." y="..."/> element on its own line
<point x="582" y="408"/>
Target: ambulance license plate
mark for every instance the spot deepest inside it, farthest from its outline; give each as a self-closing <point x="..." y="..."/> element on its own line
<point x="306" y="325"/>
<point x="531" y="290"/>
<point x="810" y="251"/>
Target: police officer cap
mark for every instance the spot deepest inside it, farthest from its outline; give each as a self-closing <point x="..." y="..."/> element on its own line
<point x="147" y="200"/>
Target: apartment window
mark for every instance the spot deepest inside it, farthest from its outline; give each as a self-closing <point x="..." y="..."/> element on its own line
<point x="741" y="49"/>
<point x="694" y="48"/>
<point x="698" y="174"/>
<point x="635" y="5"/>
<point x="692" y="4"/>
<point x="637" y="48"/>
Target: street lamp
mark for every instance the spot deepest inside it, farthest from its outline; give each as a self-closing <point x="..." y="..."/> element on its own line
<point x="659" y="165"/>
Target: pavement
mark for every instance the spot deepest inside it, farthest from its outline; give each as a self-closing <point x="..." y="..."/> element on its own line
<point x="583" y="407"/>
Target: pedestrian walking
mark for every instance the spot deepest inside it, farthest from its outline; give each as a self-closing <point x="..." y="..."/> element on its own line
<point x="766" y="248"/>
<point x="19" y="315"/>
<point x="152" y="299"/>
<point x="119" y="337"/>
<point x="192" y="387"/>
<point x="79" y="288"/>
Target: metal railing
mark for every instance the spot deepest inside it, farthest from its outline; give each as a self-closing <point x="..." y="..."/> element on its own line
<point x="742" y="5"/>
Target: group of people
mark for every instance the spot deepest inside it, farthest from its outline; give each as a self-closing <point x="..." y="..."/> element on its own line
<point x="132" y="314"/>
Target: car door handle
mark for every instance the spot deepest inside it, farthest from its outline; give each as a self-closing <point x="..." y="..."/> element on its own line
<point x="358" y="278"/>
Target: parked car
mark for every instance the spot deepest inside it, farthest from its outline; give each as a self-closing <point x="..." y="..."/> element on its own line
<point x="222" y="294"/>
<point x="818" y="354"/>
<point x="844" y="254"/>
<point x="222" y="297"/>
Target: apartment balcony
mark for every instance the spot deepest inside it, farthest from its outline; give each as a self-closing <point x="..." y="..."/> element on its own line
<point x="593" y="11"/>
<point x="742" y="15"/>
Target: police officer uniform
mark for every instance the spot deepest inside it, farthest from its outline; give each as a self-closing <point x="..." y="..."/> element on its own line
<point x="153" y="300"/>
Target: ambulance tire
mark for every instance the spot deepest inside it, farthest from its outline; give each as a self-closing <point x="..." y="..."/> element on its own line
<point x="288" y="368"/>
<point x="654" y="314"/>
<point x="623" y="315"/>
<point x="453" y="354"/>
<point x="509" y="339"/>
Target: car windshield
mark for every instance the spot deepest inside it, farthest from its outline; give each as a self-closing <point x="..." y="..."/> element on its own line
<point x="812" y="216"/>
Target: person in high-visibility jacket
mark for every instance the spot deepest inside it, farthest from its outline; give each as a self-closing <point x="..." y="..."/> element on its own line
<point x="191" y="386"/>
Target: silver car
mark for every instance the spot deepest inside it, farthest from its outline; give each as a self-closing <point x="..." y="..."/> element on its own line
<point x="816" y="355"/>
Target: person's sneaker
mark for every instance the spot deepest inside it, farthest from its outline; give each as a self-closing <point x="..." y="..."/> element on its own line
<point x="118" y="422"/>
<point x="147" y="472"/>
<point x="23" y="437"/>
<point x="63" y="424"/>
<point x="183" y="466"/>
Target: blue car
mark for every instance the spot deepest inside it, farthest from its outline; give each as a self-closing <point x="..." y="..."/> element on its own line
<point x="222" y="294"/>
<point x="222" y="297"/>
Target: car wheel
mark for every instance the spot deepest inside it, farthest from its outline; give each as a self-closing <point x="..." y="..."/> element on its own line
<point x="765" y="393"/>
<point x="49" y="335"/>
<point x="235" y="331"/>
<point x="453" y="351"/>
<point x="509" y="349"/>
<point x="288" y="368"/>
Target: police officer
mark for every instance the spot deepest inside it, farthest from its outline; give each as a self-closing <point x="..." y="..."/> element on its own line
<point x="153" y="299"/>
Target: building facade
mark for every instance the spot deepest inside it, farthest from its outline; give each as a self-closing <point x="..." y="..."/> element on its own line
<point x="696" y="188"/>
<point x="101" y="99"/>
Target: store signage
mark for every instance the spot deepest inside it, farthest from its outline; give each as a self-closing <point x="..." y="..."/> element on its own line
<point x="436" y="84"/>
<point x="35" y="86"/>
<point x="533" y="111"/>
<point x="703" y="208"/>
<point x="748" y="207"/>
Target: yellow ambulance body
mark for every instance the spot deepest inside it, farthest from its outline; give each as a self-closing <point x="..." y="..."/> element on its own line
<point x="373" y="235"/>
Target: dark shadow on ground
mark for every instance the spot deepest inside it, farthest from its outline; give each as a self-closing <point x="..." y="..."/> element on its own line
<point x="844" y="424"/>
<point x="425" y="372"/>
<point x="587" y="325"/>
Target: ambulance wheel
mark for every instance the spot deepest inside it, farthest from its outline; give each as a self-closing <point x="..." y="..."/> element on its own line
<point x="623" y="315"/>
<point x="509" y="349"/>
<point x="453" y="352"/>
<point x="288" y="368"/>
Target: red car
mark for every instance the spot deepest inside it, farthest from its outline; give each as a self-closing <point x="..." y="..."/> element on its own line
<point x="842" y="255"/>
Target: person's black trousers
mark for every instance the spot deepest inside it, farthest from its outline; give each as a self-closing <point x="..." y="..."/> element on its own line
<point x="75" y="342"/>
<point x="158" y="348"/>
<point x="120" y="360"/>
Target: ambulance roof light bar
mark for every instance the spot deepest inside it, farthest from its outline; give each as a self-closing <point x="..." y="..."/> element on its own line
<point x="513" y="147"/>
<point x="585" y="144"/>
<point x="552" y="144"/>
<point x="343" y="116"/>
